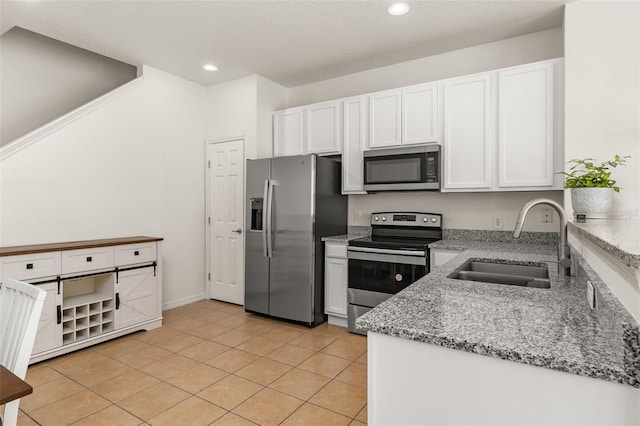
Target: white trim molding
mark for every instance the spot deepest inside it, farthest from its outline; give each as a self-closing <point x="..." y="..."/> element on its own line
<point x="24" y="141"/>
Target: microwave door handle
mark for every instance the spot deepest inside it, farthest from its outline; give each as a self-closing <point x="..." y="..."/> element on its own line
<point x="272" y="183"/>
<point x="265" y="196"/>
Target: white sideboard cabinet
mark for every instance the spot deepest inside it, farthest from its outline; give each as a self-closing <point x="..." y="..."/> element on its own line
<point x="96" y="290"/>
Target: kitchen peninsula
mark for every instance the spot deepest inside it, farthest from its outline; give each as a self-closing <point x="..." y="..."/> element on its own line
<point x="424" y="342"/>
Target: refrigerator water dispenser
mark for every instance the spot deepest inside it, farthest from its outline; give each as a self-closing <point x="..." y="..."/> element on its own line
<point x="256" y="214"/>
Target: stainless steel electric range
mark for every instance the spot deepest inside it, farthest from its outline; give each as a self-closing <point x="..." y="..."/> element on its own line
<point x="393" y="257"/>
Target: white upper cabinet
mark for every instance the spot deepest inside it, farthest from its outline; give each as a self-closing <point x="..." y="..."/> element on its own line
<point x="385" y="119"/>
<point x="354" y="121"/>
<point x="500" y="130"/>
<point x="322" y="130"/>
<point x="310" y="129"/>
<point x="467" y="133"/>
<point x="503" y="129"/>
<point x="526" y="126"/>
<point x="288" y="133"/>
<point x="403" y="116"/>
<point x="420" y="114"/>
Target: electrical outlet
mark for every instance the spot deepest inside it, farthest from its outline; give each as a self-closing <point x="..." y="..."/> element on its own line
<point x="591" y="295"/>
<point x="547" y="215"/>
<point x="497" y="222"/>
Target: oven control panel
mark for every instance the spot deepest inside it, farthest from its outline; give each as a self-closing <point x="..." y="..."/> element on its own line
<point x="433" y="220"/>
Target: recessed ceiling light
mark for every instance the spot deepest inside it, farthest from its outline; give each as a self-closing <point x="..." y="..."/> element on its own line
<point x="209" y="67"/>
<point x="397" y="9"/>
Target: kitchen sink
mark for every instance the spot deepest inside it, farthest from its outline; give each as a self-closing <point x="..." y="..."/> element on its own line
<point x="518" y="274"/>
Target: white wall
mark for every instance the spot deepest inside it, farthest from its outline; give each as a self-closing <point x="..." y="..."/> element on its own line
<point x="231" y="111"/>
<point x="271" y="97"/>
<point x="504" y="53"/>
<point x="464" y="211"/>
<point x="132" y="167"/>
<point x="602" y="69"/>
<point x="42" y="79"/>
<point x="244" y="108"/>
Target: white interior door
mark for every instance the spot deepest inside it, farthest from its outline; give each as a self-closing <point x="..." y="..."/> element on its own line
<point x="225" y="221"/>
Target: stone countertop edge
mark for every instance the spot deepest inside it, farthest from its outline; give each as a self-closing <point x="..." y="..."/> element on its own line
<point x="618" y="237"/>
<point x="551" y="328"/>
<point x="352" y="233"/>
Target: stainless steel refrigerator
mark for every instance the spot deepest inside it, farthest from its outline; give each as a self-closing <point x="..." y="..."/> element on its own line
<point x="292" y="202"/>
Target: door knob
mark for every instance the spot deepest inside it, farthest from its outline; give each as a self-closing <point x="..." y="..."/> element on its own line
<point x="237" y="231"/>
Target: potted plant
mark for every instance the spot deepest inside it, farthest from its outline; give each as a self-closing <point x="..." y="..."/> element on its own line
<point x="592" y="187"/>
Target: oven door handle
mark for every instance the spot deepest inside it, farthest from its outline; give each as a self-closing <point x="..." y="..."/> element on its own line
<point x="387" y="258"/>
<point x="415" y="253"/>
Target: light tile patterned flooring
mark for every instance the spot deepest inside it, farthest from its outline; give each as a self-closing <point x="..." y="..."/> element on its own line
<point x="210" y="363"/>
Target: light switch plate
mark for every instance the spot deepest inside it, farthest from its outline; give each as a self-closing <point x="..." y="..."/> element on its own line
<point x="591" y="295"/>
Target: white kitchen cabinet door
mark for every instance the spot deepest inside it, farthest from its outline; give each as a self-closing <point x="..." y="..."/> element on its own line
<point x="323" y="128"/>
<point x="136" y="298"/>
<point x="467" y="133"/>
<point x="288" y="133"/>
<point x="526" y="126"/>
<point x="49" y="334"/>
<point x="354" y="129"/>
<point x="385" y="119"/>
<point x="336" y="275"/>
<point x="420" y="114"/>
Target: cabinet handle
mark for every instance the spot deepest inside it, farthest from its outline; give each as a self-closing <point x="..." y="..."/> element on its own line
<point x="117" y="300"/>
<point x="29" y="265"/>
<point x="136" y="253"/>
<point x="89" y="259"/>
<point x="59" y="314"/>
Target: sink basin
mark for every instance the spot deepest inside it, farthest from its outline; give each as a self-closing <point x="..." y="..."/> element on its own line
<point x="519" y="274"/>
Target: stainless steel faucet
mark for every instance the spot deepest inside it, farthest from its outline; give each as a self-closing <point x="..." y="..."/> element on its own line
<point x="564" y="254"/>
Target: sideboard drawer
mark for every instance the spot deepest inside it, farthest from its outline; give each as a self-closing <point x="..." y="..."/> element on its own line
<point x="31" y="266"/>
<point x="135" y="253"/>
<point x="87" y="259"/>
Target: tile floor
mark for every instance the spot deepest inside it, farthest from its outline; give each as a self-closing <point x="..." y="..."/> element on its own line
<point x="210" y="363"/>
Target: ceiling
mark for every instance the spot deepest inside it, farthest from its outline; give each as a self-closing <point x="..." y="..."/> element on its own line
<point x="290" y="42"/>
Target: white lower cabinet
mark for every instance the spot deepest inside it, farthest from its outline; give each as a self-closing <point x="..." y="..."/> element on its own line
<point x="136" y="298"/>
<point x="49" y="334"/>
<point x="85" y="305"/>
<point x="335" y="283"/>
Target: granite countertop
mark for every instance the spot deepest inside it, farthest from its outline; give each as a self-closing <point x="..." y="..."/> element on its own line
<point x="352" y="233"/>
<point x="618" y="237"/>
<point x="552" y="328"/>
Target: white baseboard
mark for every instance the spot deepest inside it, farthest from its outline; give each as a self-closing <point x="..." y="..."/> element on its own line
<point x="181" y="302"/>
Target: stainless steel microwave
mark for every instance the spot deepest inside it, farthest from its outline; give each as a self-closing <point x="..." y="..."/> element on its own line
<point x="411" y="168"/>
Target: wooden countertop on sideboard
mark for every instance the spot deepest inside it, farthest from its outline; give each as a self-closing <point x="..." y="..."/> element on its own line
<point x="73" y="245"/>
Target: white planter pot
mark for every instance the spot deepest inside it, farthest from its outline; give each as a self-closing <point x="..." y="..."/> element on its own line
<point x="595" y="203"/>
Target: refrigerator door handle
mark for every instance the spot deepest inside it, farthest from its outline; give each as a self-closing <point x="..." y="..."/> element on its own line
<point x="265" y="218"/>
<point x="272" y="183"/>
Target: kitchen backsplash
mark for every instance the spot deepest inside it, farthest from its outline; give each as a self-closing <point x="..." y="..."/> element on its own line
<point x="459" y="210"/>
<point x="501" y="236"/>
